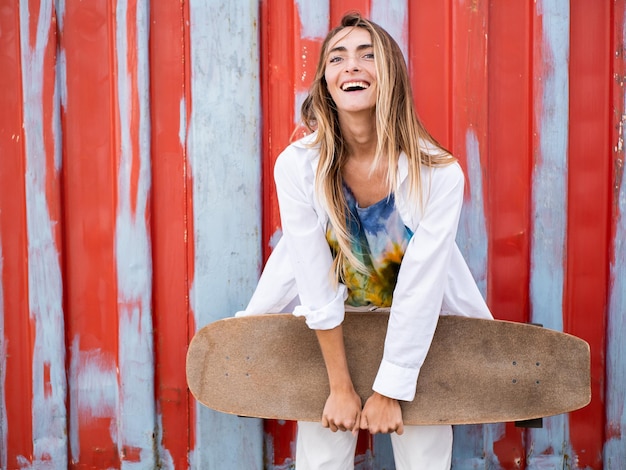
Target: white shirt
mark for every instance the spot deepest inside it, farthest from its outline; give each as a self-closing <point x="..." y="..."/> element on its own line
<point x="433" y="279"/>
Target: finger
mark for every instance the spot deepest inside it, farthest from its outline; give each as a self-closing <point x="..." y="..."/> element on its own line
<point x="357" y="423"/>
<point x="325" y="422"/>
<point x="363" y="424"/>
<point x="400" y="429"/>
<point x="348" y="425"/>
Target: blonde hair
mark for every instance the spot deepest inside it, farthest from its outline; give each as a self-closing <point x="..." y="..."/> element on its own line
<point x="398" y="130"/>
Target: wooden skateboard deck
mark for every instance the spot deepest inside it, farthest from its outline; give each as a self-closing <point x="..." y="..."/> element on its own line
<point x="476" y="371"/>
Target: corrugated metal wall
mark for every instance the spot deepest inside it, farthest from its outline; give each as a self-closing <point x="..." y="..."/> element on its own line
<point x="136" y="205"/>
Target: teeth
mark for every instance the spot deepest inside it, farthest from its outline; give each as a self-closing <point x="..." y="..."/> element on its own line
<point x="349" y="85"/>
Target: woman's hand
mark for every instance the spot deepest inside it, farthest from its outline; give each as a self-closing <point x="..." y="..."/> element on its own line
<point x="342" y="411"/>
<point x="382" y="414"/>
<point x="343" y="406"/>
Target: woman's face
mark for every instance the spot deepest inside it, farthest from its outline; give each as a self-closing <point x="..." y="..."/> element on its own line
<point x="351" y="71"/>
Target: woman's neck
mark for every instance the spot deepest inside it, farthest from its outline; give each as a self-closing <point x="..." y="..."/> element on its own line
<point x="368" y="184"/>
<point x="360" y="136"/>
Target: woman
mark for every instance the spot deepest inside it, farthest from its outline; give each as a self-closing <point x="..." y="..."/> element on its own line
<point x="369" y="206"/>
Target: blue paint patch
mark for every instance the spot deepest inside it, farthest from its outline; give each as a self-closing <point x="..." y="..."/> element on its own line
<point x="224" y="150"/>
<point x="473" y="445"/>
<point x="472" y="234"/>
<point x="615" y="445"/>
<point x="314" y="16"/>
<point x="3" y="370"/>
<point x="136" y="420"/>
<point x="393" y="16"/>
<point x="549" y="446"/>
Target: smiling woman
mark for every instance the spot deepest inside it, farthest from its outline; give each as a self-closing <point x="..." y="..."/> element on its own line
<point x="360" y="231"/>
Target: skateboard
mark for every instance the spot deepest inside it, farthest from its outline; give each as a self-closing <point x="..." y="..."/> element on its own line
<point x="476" y="370"/>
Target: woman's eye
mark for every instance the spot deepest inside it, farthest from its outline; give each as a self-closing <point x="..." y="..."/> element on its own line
<point x="369" y="55"/>
<point x="334" y="59"/>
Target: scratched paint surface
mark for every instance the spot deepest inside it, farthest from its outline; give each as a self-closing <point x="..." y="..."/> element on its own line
<point x="136" y="205"/>
<point x="44" y="272"/>
<point x="132" y="242"/>
<point x="223" y="145"/>
<point x="615" y="445"/>
<point x="549" y="445"/>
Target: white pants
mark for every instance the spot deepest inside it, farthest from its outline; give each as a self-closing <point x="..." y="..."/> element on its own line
<point x="418" y="448"/>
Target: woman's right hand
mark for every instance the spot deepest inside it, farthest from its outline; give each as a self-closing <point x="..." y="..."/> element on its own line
<point x="342" y="411"/>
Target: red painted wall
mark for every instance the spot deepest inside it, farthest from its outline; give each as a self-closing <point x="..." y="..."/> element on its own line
<point x="528" y="95"/>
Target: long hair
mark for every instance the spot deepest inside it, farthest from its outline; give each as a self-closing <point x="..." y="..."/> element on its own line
<point x="398" y="129"/>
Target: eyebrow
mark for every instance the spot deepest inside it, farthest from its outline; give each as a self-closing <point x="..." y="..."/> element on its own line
<point x="343" y="48"/>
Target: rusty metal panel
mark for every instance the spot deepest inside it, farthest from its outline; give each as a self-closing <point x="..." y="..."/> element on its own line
<point x="137" y="141"/>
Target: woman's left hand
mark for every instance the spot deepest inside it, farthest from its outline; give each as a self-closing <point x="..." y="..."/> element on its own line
<point x="382" y="414"/>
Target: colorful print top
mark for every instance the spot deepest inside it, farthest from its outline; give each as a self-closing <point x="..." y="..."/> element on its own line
<point x="379" y="241"/>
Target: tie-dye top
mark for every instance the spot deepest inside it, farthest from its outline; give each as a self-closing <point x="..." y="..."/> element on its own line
<point x="379" y="239"/>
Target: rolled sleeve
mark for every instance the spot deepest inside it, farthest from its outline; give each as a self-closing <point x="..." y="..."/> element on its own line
<point x="328" y="316"/>
<point x="396" y="381"/>
<point x="321" y="298"/>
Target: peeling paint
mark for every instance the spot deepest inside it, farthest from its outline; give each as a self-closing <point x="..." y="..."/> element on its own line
<point x="473" y="441"/>
<point x="94" y="393"/>
<point x="315" y="16"/>
<point x="44" y="273"/>
<point x="224" y="153"/>
<point x="549" y="211"/>
<point x="3" y="371"/>
<point x="393" y="16"/>
<point x="136" y="420"/>
<point x="615" y="445"/>
<point x="472" y="234"/>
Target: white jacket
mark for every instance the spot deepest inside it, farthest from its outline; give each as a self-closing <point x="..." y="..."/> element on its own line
<point x="433" y="279"/>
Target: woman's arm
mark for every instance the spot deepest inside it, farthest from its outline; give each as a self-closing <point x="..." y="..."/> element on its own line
<point x="343" y="407"/>
<point x="322" y="299"/>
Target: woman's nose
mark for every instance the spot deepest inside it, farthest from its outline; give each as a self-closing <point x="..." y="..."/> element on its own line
<point x="352" y="64"/>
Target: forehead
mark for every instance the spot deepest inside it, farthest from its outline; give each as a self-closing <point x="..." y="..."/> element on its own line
<point x="349" y="38"/>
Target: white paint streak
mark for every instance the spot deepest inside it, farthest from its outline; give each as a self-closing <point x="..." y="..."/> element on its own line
<point x="44" y="273"/>
<point x="615" y="445"/>
<point x="549" y="444"/>
<point x="137" y="422"/>
<point x="94" y="392"/>
<point x="299" y="99"/>
<point x="472" y="441"/>
<point x="224" y="156"/>
<point x="182" y="126"/>
<point x="393" y="16"/>
<point x="61" y="80"/>
<point x="314" y="16"/>
<point x="3" y="370"/>
<point x="165" y="457"/>
<point x="472" y="235"/>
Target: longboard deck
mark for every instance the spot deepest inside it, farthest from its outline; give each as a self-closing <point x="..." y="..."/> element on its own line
<point x="476" y="371"/>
